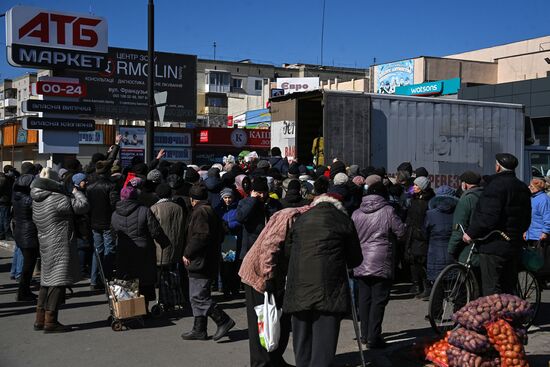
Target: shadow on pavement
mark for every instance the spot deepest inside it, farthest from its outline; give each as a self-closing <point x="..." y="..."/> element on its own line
<point x="235" y="336"/>
<point x="22" y="311"/>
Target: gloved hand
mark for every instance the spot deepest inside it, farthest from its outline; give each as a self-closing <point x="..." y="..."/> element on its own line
<point x="270" y="286"/>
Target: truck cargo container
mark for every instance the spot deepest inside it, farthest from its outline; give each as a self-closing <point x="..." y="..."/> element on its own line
<point x="445" y="136"/>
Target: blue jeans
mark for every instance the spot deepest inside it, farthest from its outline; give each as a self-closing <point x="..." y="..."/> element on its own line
<point x="5" y="218"/>
<point x="104" y="243"/>
<point x="16" y="263"/>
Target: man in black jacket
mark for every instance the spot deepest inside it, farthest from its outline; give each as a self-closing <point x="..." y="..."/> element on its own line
<point x="321" y="246"/>
<point x="7" y="178"/>
<point x="254" y="211"/>
<point x="505" y="205"/>
<point x="102" y="198"/>
<point x="201" y="257"/>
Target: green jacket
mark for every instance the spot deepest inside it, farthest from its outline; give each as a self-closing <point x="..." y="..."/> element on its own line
<point x="463" y="215"/>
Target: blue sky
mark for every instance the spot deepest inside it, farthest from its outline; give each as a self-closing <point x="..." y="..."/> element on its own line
<point x="289" y="31"/>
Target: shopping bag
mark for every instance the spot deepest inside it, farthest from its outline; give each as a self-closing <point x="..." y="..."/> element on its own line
<point x="269" y="322"/>
<point x="170" y="293"/>
<point x="229" y="248"/>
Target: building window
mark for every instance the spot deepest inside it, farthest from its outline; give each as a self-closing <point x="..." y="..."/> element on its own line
<point x="237" y="83"/>
<point x="258" y="85"/>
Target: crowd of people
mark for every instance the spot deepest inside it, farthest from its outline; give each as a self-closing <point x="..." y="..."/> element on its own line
<point x="264" y="225"/>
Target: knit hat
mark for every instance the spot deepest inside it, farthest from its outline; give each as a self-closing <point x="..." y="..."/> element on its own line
<point x="294" y="185"/>
<point x="164" y="191"/>
<point x="128" y="193"/>
<point x="62" y="172"/>
<point x="140" y="169"/>
<point x="406" y="166"/>
<point x="470" y="177"/>
<point x="213" y="172"/>
<point x="154" y="176"/>
<point x="337" y="167"/>
<point x="294" y="169"/>
<point x="321" y="185"/>
<point x="445" y="190"/>
<point x="96" y="157"/>
<point x="340" y="179"/>
<point x="191" y="175"/>
<point x="378" y="188"/>
<point x="380" y="171"/>
<point x="353" y="170"/>
<point x="358" y="180"/>
<point x="72" y="164"/>
<point x="174" y="181"/>
<point x="78" y="178"/>
<point x="372" y="179"/>
<point x="275" y="173"/>
<point x="507" y="160"/>
<point x="198" y="192"/>
<point x="422" y="182"/>
<point x="275" y="152"/>
<point x="177" y="168"/>
<point x="229" y="159"/>
<point x="421" y="172"/>
<point x="263" y="164"/>
<point x="226" y="192"/>
<point x="102" y="166"/>
<point x="28" y="168"/>
<point x="259" y="184"/>
<point x="47" y="172"/>
<point x="320" y="171"/>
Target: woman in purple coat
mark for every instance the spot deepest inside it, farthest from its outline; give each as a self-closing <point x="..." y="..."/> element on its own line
<point x="375" y="221"/>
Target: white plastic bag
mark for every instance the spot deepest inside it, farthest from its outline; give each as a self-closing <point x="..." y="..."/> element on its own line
<point x="269" y="322"/>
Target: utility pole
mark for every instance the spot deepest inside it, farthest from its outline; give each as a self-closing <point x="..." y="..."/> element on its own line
<point x="150" y="124"/>
<point x="323" y="31"/>
<point x="214" y="45"/>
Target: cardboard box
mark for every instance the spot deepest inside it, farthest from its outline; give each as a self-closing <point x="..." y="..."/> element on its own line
<point x="129" y="308"/>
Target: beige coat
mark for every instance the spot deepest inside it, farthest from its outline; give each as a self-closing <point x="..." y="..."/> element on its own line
<point x="173" y="221"/>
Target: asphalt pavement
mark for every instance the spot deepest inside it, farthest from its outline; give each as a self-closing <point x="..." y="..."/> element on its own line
<point x="158" y="341"/>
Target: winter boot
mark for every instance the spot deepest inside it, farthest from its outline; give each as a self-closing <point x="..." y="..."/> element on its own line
<point x="40" y="316"/>
<point x="199" y="330"/>
<point x="425" y="296"/>
<point x="224" y="322"/>
<point x="51" y="324"/>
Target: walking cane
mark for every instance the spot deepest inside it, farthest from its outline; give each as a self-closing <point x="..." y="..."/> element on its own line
<point x="356" y="323"/>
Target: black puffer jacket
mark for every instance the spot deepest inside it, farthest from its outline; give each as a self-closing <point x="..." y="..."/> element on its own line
<point x="25" y="232"/>
<point x="204" y="237"/>
<point x="102" y="202"/>
<point x="417" y="243"/>
<point x="6" y="186"/>
<point x="136" y="227"/>
<point x="505" y="205"/>
<point x="322" y="243"/>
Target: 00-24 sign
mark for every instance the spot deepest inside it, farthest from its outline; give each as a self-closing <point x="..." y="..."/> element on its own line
<point x="60" y="89"/>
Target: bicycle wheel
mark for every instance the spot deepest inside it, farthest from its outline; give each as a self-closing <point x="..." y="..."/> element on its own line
<point x="528" y="288"/>
<point x="453" y="288"/>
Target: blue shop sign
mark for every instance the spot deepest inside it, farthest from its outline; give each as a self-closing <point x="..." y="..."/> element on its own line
<point x="443" y="87"/>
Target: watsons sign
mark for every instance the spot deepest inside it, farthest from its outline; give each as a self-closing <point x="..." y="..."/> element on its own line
<point x="440" y="87"/>
<point x="425" y="89"/>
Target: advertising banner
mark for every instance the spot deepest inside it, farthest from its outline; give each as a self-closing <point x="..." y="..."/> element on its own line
<point x="132" y="144"/>
<point x="292" y="85"/>
<point x="120" y="91"/>
<point x="283" y="135"/>
<point x="90" y="137"/>
<point x="21" y="136"/>
<point x="389" y="76"/>
<point x="52" y="39"/>
<point x="176" y="145"/>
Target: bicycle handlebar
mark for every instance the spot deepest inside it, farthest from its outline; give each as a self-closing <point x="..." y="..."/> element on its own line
<point x="496" y="231"/>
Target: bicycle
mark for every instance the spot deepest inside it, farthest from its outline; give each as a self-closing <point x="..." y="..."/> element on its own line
<point x="457" y="285"/>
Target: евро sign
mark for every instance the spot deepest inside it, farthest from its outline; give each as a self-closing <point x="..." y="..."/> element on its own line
<point x="60" y="89"/>
<point x="51" y="123"/>
<point x="52" y="39"/>
<point x="37" y="105"/>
